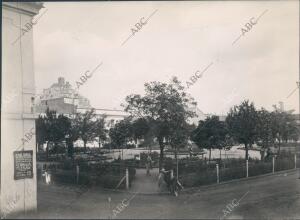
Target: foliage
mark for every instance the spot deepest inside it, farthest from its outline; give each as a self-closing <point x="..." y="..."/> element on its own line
<point x="284" y="127"/>
<point x="264" y="131"/>
<point x="85" y="123"/>
<point x="121" y="133"/>
<point x="241" y="122"/>
<point x="140" y="127"/>
<point x="41" y="130"/>
<point x="100" y="130"/>
<point x="162" y="105"/>
<point x="211" y="134"/>
<point x="105" y="174"/>
<point x="52" y="128"/>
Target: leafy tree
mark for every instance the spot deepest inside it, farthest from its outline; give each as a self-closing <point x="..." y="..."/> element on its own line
<point x="210" y="134"/>
<point x="162" y="104"/>
<point x="41" y="131"/>
<point x="100" y="130"/>
<point x="72" y="136"/>
<point x="55" y="127"/>
<point x="284" y="127"/>
<point x="121" y="134"/>
<point x="241" y="122"/>
<point x="294" y="131"/>
<point x="264" y="131"/>
<point x="86" y="126"/>
<point x="178" y="138"/>
<point x="141" y="129"/>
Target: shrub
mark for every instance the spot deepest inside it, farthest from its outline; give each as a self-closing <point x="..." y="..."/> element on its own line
<point x="67" y="165"/>
<point x="64" y="176"/>
<point x="284" y="164"/>
<point x="109" y="181"/>
<point x="105" y="174"/>
<point x="58" y="148"/>
<point x="130" y="146"/>
<point x="198" y="179"/>
<point x="260" y="168"/>
<point x="227" y="174"/>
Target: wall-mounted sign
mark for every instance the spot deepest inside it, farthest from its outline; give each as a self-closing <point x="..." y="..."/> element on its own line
<point x="23" y="162"/>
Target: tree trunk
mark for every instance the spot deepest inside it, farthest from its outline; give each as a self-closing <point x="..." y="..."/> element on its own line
<point x="84" y="146"/>
<point x="161" y="155"/>
<point x="70" y="148"/>
<point x="262" y="154"/>
<point x="279" y="144"/>
<point x="220" y="154"/>
<point x="176" y="159"/>
<point x="99" y="143"/>
<point x="209" y="154"/>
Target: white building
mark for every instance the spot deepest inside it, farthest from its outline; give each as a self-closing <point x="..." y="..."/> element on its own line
<point x="18" y="188"/>
<point x="62" y="98"/>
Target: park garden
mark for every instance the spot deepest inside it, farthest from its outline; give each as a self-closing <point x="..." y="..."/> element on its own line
<point x="160" y="119"/>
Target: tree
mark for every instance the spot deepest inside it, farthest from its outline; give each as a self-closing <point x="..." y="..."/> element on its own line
<point x="41" y="131"/>
<point x="178" y="138"/>
<point x="210" y="134"/>
<point x="86" y="126"/>
<point x="72" y="136"/>
<point x="241" y="122"/>
<point x="55" y="128"/>
<point x="121" y="134"/>
<point x="294" y="131"/>
<point x="284" y="127"/>
<point x="264" y="131"/>
<point x="100" y="130"/>
<point x="141" y="129"/>
<point x="161" y="105"/>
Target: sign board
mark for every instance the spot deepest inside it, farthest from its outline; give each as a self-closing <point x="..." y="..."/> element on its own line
<point x="23" y="164"/>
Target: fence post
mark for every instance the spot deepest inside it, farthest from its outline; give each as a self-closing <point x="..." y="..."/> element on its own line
<point x="295" y="161"/>
<point x="217" y="166"/>
<point x="247" y="169"/>
<point x="127" y="179"/>
<point x="273" y="162"/>
<point x="77" y="174"/>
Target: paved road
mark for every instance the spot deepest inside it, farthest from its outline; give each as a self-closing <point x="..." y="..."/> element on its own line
<point x="273" y="197"/>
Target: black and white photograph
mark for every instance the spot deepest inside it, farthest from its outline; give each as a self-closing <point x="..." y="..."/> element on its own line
<point x="150" y="109"/>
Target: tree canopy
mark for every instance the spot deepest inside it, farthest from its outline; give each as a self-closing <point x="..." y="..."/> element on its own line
<point x="241" y="122"/>
<point x="163" y="106"/>
<point x="210" y="134"/>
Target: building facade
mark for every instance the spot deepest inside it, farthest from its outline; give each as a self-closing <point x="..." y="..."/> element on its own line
<point x="18" y="189"/>
<point x="62" y="98"/>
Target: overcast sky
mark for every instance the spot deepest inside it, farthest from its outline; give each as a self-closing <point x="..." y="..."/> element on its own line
<point x="179" y="39"/>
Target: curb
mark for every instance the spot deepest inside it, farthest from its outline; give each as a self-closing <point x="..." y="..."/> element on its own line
<point x="193" y="189"/>
<point x="190" y="190"/>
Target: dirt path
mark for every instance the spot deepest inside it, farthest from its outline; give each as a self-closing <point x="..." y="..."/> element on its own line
<point x="144" y="183"/>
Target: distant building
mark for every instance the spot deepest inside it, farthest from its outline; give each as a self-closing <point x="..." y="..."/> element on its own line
<point x="199" y="116"/>
<point x="112" y="116"/>
<point x="62" y="98"/>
